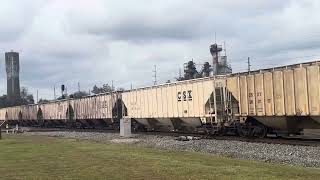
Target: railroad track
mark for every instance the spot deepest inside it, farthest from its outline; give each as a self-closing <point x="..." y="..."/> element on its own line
<point x="269" y="140"/>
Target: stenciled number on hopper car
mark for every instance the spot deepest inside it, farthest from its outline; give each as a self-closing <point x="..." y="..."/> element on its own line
<point x="185" y="95"/>
<point x="102" y="104"/>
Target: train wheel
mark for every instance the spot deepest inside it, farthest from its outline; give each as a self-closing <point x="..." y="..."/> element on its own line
<point x="260" y="131"/>
<point x="116" y="127"/>
<point x="244" y="131"/>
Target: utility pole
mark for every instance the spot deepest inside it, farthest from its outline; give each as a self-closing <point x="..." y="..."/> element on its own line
<point x="79" y="87"/>
<point x="155" y="75"/>
<point x="249" y="65"/>
<point x="62" y="89"/>
<point x="112" y="85"/>
<point x="180" y="73"/>
<point x="54" y="92"/>
<point x="225" y="48"/>
<point x="37" y="96"/>
<point x="215" y="37"/>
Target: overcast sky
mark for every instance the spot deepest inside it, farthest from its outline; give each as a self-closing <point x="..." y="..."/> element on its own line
<point x="97" y="41"/>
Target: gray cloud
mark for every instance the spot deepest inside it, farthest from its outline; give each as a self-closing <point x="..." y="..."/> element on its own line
<point x="95" y="42"/>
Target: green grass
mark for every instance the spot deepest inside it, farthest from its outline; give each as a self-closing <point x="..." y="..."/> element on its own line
<point x="35" y="157"/>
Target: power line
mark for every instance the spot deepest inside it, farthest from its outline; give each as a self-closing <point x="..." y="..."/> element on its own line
<point x="54" y="92"/>
<point x="78" y="86"/>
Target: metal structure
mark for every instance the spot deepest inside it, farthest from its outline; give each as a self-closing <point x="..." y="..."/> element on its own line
<point x="219" y="63"/>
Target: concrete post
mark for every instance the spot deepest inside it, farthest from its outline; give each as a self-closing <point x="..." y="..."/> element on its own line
<point x="125" y="127"/>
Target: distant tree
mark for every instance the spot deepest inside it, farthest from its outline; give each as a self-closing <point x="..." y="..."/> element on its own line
<point x="120" y="89"/>
<point x="78" y="94"/>
<point x="107" y="88"/>
<point x="205" y="72"/>
<point x="190" y="71"/>
<point x="25" y="97"/>
<point x="41" y="101"/>
<point x="168" y="81"/>
<point x="180" y="78"/>
<point x="23" y="92"/>
<point x="104" y="89"/>
<point x="3" y="101"/>
<point x="96" y="89"/>
<point x="61" y="97"/>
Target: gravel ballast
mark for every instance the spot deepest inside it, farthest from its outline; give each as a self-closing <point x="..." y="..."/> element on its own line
<point x="287" y="154"/>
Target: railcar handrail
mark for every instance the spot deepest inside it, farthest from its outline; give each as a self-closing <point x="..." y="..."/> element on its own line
<point x="2" y="123"/>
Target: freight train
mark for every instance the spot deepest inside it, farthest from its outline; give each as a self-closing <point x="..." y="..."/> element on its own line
<point x="282" y="101"/>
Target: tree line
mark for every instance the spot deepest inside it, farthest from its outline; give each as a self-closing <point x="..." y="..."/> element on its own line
<point x="24" y="99"/>
<point x="105" y="88"/>
<point x="27" y="98"/>
<point x="191" y="72"/>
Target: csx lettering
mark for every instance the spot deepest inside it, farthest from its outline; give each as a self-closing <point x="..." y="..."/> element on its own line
<point x="179" y="96"/>
<point x="190" y="95"/>
<point x="185" y="96"/>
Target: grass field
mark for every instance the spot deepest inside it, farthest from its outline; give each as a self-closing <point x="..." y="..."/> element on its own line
<point x="35" y="157"/>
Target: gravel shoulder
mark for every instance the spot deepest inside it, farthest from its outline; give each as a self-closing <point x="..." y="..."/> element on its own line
<point x="287" y="154"/>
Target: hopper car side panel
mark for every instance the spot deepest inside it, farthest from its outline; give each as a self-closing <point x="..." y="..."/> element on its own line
<point x="3" y="112"/>
<point x="259" y="94"/>
<point x="268" y="93"/>
<point x="180" y="100"/>
<point x="313" y="90"/>
<point x="285" y="98"/>
<point x="289" y="93"/>
<point x="301" y="91"/>
<point x="279" y="108"/>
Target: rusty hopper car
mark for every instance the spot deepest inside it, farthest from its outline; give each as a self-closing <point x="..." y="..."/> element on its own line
<point x="284" y="99"/>
<point x="55" y="113"/>
<point x="185" y="105"/>
<point x="98" y="110"/>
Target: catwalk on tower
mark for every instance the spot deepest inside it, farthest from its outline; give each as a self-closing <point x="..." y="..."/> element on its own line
<point x="13" y="82"/>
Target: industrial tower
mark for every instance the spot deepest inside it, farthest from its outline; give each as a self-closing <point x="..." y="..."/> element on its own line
<point x="219" y="63"/>
<point x="13" y="81"/>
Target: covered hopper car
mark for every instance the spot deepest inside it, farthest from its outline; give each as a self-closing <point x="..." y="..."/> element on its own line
<point x="285" y="100"/>
<point x="97" y="111"/>
<point x="184" y="105"/>
<point x="281" y="100"/>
